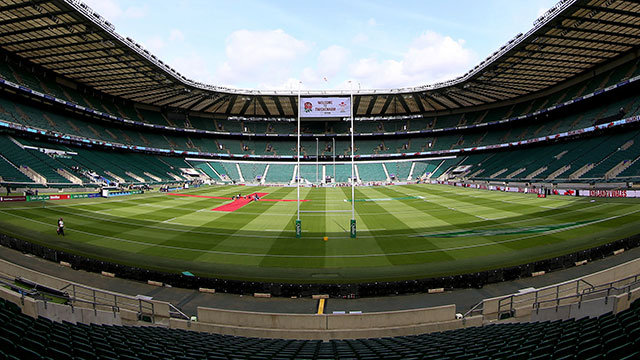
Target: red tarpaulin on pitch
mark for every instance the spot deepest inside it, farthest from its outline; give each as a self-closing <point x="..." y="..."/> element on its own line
<point x="238" y="203"/>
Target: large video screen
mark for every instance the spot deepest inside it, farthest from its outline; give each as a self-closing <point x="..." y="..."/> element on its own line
<point x="325" y="107"/>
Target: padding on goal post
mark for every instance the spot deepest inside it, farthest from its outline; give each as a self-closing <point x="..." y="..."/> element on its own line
<point x="353" y="228"/>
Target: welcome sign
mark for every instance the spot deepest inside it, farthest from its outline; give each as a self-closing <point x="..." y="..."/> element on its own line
<point x="325" y="107"/>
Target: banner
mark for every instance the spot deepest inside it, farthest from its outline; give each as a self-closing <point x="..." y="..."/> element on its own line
<point x="325" y="107"/>
<point x="610" y="193"/>
<point x="59" y="197"/>
<point x="38" y="198"/>
<point x="12" y="198"/>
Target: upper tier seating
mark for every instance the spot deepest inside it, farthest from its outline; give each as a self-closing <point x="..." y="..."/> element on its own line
<point x="46" y="84"/>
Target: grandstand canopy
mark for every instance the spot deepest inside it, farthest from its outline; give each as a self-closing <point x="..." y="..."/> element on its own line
<point x="69" y="39"/>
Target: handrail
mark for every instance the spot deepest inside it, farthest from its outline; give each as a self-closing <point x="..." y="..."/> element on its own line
<point x="507" y="304"/>
<point x="513" y="300"/>
<point x="619" y="290"/>
<point x="173" y="310"/>
<point x="133" y="303"/>
<point x="473" y="309"/>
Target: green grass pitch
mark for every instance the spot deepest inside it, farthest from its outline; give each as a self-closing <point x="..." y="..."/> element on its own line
<point x="404" y="232"/>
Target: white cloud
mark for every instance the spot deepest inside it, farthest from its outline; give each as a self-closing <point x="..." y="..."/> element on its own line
<point x="360" y="38"/>
<point x="155" y="44"/>
<point x="112" y="10"/>
<point x="541" y="11"/>
<point x="332" y="60"/>
<point x="160" y="44"/>
<point x="263" y="57"/>
<point x="176" y="35"/>
<point x="194" y="67"/>
<point x="372" y="22"/>
<point x="430" y="58"/>
<point x="135" y="12"/>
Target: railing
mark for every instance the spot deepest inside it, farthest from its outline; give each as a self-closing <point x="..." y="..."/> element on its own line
<point x="101" y="298"/>
<point x="475" y="310"/>
<point x="571" y="292"/>
<point x="592" y="294"/>
<point x="174" y="312"/>
<point x="507" y="304"/>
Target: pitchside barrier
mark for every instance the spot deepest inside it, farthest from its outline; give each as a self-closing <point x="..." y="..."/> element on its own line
<point x="352" y="290"/>
<point x="603" y="193"/>
<point x="67" y="196"/>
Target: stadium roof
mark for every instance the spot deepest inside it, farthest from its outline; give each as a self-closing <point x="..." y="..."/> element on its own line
<point x="68" y="38"/>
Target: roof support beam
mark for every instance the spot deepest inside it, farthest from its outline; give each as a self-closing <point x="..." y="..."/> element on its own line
<point x="40" y="28"/>
<point x="356" y="104"/>
<point x="32" y="17"/>
<point x="73" y="68"/>
<point x="75" y="52"/>
<point x="589" y="40"/>
<point x="135" y="89"/>
<point x="246" y="105"/>
<point x="156" y="98"/>
<point x="386" y="104"/>
<point x="106" y="73"/>
<point x="232" y="102"/>
<point x="560" y="53"/>
<point x="205" y="98"/>
<point x="22" y="5"/>
<point x="574" y="47"/>
<point x="217" y="103"/>
<point x="600" y="21"/>
<point x="88" y="58"/>
<point x="371" y="104"/>
<point x="45" y="38"/>
<point x="139" y="86"/>
<point x="294" y="105"/>
<point x="263" y="105"/>
<point x="570" y="61"/>
<point x="492" y="86"/>
<point x="403" y="103"/>
<point x="607" y="10"/>
<point x="432" y="98"/>
<point x="276" y="100"/>
<point x="470" y="92"/>
<point x="449" y="98"/>
<point x="596" y="31"/>
<point x="57" y="46"/>
<point x="418" y="101"/>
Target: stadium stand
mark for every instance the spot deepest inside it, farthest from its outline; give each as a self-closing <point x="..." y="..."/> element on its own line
<point x="252" y="172"/>
<point x="280" y="173"/>
<point x="371" y="172"/>
<point x="610" y="336"/>
<point x="398" y="170"/>
<point x="593" y="110"/>
<point x="308" y="172"/>
<point x="576" y="69"/>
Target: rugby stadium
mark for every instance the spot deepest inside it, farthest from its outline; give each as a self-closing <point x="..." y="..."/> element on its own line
<point x="203" y="221"/>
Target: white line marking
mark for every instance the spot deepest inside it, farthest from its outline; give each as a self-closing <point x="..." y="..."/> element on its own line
<point x="333" y="256"/>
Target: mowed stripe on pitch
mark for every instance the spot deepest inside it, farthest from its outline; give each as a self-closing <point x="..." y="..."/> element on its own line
<point x="288" y="244"/>
<point x="394" y="245"/>
<point x="454" y="220"/>
<point x="258" y="223"/>
<point x="233" y="225"/>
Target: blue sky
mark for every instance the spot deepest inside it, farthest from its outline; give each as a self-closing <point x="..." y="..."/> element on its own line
<point x="277" y="44"/>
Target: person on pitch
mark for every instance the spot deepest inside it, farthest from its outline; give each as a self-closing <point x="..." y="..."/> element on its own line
<point x="60" y="227"/>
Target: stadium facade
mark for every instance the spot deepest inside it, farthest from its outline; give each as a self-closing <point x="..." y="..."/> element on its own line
<point x="556" y="108"/>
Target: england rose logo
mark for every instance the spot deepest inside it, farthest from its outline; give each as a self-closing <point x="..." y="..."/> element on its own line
<point x="343" y="106"/>
<point x="308" y="107"/>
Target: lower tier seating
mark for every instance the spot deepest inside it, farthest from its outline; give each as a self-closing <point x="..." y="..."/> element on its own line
<point x="610" y="336"/>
